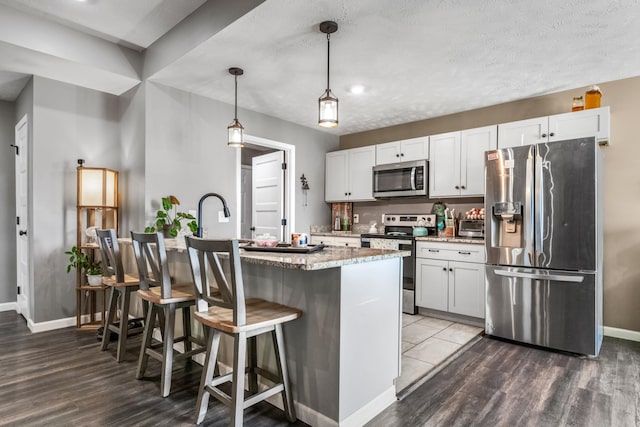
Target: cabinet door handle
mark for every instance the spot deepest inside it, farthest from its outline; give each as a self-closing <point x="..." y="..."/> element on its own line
<point x="434" y="250"/>
<point x="464" y="253"/>
<point x="552" y="134"/>
<point x="544" y="135"/>
<point x="345" y="194"/>
<point x="463" y="187"/>
<point x="401" y="154"/>
<point x="444" y="268"/>
<point x="457" y="187"/>
<point x="451" y="269"/>
<point x="397" y="155"/>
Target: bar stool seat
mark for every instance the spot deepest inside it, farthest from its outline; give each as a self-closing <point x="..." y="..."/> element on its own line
<point x="122" y="285"/>
<point x="260" y="314"/>
<point x="164" y="300"/>
<point x="179" y="293"/>
<point x="228" y="312"/>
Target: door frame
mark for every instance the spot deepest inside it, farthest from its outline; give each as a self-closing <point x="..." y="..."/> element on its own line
<point x="289" y="180"/>
<point x="24" y="308"/>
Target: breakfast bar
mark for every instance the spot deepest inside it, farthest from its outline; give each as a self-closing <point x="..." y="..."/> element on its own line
<point x="344" y="352"/>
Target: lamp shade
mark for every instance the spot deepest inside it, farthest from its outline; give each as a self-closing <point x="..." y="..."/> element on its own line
<point x="97" y="187"/>
<point x="235" y="131"/>
<point x="328" y="110"/>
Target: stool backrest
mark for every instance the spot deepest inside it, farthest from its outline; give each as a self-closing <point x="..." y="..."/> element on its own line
<point x="110" y="254"/>
<point x="151" y="259"/>
<point x="204" y="257"/>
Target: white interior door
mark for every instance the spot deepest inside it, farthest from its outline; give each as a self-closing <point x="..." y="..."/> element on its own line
<point x="22" y="238"/>
<point x="245" y="194"/>
<point x="268" y="194"/>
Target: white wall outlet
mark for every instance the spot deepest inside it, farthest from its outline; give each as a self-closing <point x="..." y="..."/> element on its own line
<point x="356" y="218"/>
<point x="221" y="217"/>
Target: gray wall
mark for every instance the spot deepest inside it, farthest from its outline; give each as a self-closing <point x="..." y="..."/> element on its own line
<point x="187" y="155"/>
<point x="7" y="199"/>
<point x="131" y="176"/>
<point x="69" y="122"/>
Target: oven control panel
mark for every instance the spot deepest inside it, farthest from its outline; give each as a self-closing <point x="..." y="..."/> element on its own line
<point x="410" y="220"/>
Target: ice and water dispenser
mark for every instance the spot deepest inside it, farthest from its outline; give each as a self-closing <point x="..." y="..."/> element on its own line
<point x="506" y="224"/>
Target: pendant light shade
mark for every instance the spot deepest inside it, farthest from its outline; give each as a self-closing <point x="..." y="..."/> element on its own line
<point x="235" y="129"/>
<point x="328" y="102"/>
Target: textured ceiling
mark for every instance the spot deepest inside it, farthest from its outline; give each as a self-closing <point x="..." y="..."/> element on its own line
<point x="132" y="23"/>
<point x="416" y="58"/>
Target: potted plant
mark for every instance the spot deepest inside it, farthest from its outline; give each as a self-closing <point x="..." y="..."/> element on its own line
<point x="169" y="220"/>
<point x="80" y="261"/>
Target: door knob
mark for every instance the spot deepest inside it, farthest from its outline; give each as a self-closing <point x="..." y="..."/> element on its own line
<point x="22" y="232"/>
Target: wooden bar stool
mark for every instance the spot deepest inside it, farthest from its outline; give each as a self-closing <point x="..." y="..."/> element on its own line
<point x="122" y="285"/>
<point x="228" y="313"/>
<point x="164" y="299"/>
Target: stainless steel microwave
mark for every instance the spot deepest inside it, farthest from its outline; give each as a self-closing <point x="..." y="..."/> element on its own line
<point x="401" y="179"/>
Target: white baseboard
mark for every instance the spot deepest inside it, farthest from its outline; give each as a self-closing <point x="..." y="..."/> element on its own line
<point x="371" y="409"/>
<point x="9" y="306"/>
<point x="625" y="334"/>
<point x="58" y="323"/>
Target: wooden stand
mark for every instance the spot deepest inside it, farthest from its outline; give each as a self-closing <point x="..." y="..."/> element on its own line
<point x="103" y="215"/>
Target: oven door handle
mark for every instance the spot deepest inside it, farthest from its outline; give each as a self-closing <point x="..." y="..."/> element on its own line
<point x="413" y="178"/>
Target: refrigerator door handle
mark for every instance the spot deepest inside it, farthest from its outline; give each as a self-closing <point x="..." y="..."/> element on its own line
<point x="554" y="277"/>
<point x="539" y="213"/>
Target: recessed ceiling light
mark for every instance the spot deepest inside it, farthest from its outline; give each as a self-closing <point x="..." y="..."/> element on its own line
<point x="356" y="89"/>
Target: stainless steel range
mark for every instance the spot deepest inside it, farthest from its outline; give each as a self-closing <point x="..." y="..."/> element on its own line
<point x="398" y="234"/>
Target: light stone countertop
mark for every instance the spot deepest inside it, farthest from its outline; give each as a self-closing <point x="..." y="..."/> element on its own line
<point x="329" y="257"/>
<point x="450" y="240"/>
<point x="337" y="234"/>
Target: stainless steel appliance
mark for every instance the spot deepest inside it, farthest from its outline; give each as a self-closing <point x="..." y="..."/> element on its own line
<point x="398" y="234"/>
<point x="401" y="179"/>
<point x="471" y="228"/>
<point x="543" y="207"/>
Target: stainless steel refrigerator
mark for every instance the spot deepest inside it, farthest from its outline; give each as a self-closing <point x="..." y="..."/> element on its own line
<point x="543" y="225"/>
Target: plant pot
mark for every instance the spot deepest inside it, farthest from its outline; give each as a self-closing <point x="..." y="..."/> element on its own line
<point x="166" y="231"/>
<point x="94" y="279"/>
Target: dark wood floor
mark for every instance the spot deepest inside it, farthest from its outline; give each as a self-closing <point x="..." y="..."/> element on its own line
<point x="496" y="383"/>
<point x="61" y="378"/>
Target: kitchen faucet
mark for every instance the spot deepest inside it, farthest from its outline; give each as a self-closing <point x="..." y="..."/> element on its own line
<point x="227" y="214"/>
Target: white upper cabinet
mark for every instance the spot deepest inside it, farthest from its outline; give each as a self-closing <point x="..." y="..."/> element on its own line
<point x="348" y="175"/>
<point x="579" y="124"/>
<point x="456" y="166"/>
<point x="405" y="150"/>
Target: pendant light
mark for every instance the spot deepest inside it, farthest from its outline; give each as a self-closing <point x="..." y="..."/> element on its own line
<point x="235" y="129"/>
<point x="328" y="103"/>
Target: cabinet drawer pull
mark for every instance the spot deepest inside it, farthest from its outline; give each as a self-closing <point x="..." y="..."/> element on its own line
<point x="434" y="250"/>
<point x="464" y="253"/>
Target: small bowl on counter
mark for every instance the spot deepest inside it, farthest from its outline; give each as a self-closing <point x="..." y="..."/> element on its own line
<point x="266" y="241"/>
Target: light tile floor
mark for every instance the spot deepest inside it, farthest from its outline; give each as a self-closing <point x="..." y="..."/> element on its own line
<point x="427" y="342"/>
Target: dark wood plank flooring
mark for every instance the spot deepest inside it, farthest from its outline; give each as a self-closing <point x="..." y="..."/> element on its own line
<point x="497" y="383"/>
<point x="61" y="378"/>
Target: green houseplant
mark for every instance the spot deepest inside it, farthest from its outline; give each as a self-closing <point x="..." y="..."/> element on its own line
<point x="80" y="261"/>
<point x="169" y="220"/>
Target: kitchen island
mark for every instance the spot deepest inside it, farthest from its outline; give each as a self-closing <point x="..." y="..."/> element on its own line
<point x="344" y="352"/>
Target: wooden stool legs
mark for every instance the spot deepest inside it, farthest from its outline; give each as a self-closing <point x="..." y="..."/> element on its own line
<point x="123" y="328"/>
<point x="243" y="346"/>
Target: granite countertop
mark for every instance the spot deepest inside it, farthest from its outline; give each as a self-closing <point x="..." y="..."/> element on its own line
<point x="336" y="233"/>
<point x="470" y="240"/>
<point x="329" y="257"/>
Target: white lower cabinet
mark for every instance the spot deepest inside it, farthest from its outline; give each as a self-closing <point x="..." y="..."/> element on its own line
<point x="445" y="283"/>
<point x="345" y="241"/>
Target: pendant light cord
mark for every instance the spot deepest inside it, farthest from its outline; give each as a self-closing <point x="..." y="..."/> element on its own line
<point x="236" y="103"/>
<point x="328" y="58"/>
